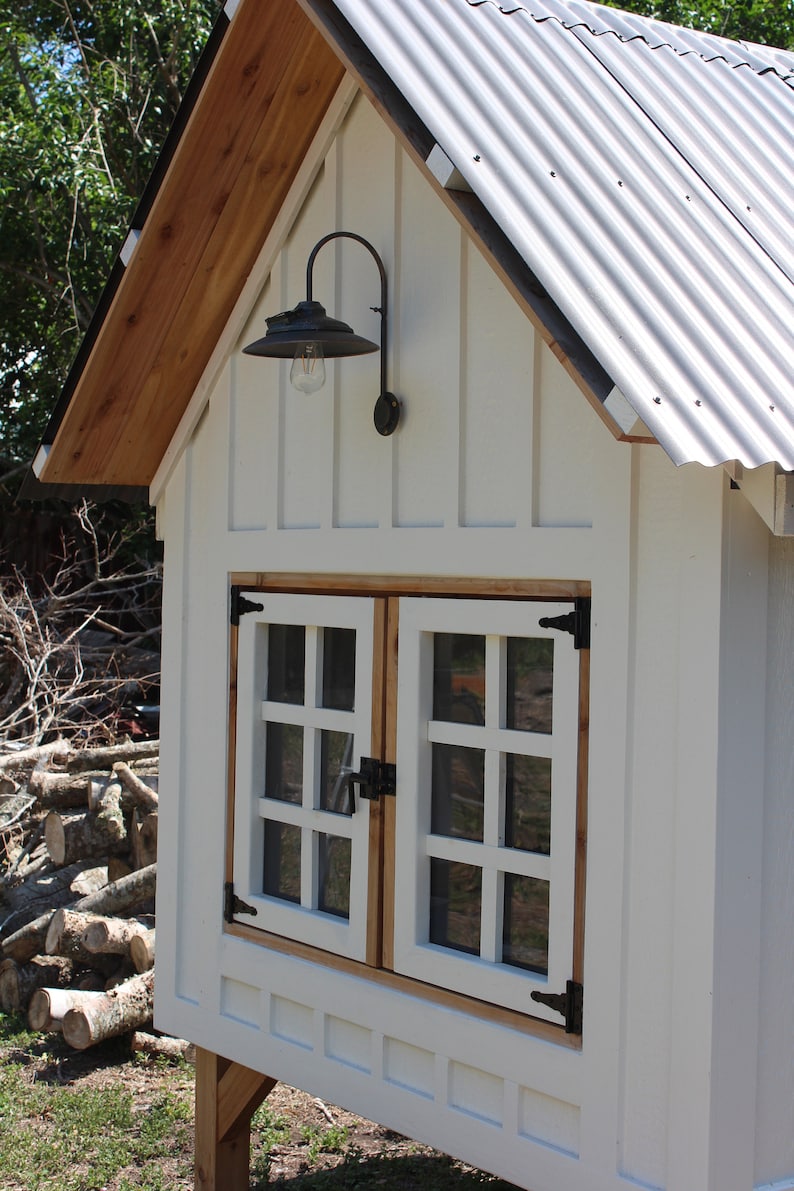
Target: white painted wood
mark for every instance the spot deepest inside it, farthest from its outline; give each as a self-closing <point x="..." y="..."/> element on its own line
<point x="415" y="954"/>
<point x="306" y="921"/>
<point x="366" y="199"/>
<point x="428" y="325"/>
<point x="774" y="1144"/>
<point x="738" y="901"/>
<point x="564" y="494"/>
<point x="497" y="355"/>
<point x="664" y="1086"/>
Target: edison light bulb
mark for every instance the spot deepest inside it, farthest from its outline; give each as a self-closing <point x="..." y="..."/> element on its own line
<point x="307" y="373"/>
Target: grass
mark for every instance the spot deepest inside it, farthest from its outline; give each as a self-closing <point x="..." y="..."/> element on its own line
<point x="62" y="1137"/>
<point x="100" y="1121"/>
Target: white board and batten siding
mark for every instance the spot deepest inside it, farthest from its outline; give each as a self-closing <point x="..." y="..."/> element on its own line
<point x="498" y="470"/>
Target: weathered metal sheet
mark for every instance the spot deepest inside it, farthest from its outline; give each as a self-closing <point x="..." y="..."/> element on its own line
<point x="641" y="170"/>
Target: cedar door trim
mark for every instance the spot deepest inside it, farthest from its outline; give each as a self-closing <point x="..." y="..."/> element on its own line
<point x="378" y="964"/>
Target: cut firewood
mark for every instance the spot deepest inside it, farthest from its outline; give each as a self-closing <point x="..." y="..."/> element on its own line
<point x="49" y="888"/>
<point x="83" y="834"/>
<point x="61" y="790"/>
<point x="111" y="936"/>
<point x="142" y="794"/>
<point x="102" y="758"/>
<point x="106" y="1015"/>
<point x="143" y="838"/>
<point x="18" y="982"/>
<point x="142" y="951"/>
<point x="49" y="1006"/>
<point x="162" y="1046"/>
<point x="129" y="891"/>
<point x="56" y="750"/>
<point x="118" y="867"/>
<point x="65" y="937"/>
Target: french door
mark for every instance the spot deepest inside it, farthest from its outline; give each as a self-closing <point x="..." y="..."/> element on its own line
<point x="408" y="782"/>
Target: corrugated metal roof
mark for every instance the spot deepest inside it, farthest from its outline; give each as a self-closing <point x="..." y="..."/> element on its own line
<point x="643" y="173"/>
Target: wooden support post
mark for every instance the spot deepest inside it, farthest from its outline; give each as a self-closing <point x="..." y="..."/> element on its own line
<point x="227" y="1096"/>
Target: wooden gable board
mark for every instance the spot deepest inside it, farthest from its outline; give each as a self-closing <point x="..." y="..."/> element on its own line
<point x="274" y="77"/>
<point x="264" y="99"/>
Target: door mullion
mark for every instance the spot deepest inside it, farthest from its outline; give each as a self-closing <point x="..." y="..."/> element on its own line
<point x="375" y="890"/>
<point x="390" y="755"/>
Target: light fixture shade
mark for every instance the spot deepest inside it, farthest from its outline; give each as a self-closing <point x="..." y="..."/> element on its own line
<point x="308" y="323"/>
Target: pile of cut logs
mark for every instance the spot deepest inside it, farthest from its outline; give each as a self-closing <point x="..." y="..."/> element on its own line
<point x="78" y="838"/>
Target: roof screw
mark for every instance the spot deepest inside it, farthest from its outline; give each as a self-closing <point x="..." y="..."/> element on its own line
<point x="688" y="199"/>
<point x="698" y="401"/>
<point x="476" y="157"/>
<point x="552" y="173"/>
<point x="619" y="182"/>
<point x="658" y="400"/>
<point x="772" y="408"/>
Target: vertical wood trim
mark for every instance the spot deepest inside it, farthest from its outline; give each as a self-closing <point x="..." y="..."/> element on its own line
<point x="580" y="856"/>
<point x="333" y="172"/>
<point x="387" y="505"/>
<point x="529" y="517"/>
<point x="374" y="945"/>
<point x="390" y="809"/>
<point x="279" y="284"/>
<point x="458" y="432"/>
<point x="231" y="760"/>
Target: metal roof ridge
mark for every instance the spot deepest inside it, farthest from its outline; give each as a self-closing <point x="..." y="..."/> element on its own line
<point x="659" y="43"/>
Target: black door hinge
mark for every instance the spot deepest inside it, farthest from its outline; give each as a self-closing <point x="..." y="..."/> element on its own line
<point x="232" y="904"/>
<point x="374" y="778"/>
<point x="239" y="605"/>
<point x="577" y="621"/>
<point x="569" y="1004"/>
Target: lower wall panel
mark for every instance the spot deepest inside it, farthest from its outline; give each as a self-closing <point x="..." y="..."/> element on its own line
<point x="501" y="1100"/>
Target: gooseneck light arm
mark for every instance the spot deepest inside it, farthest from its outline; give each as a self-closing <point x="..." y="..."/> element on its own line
<point x="387" y="408"/>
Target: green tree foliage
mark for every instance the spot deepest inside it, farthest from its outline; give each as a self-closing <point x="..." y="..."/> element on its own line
<point x="767" y="22"/>
<point x="88" y="90"/>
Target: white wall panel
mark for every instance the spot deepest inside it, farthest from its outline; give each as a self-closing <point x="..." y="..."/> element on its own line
<point x="366" y="165"/>
<point x="306" y="419"/>
<point x="649" y="824"/>
<point x="253" y="429"/>
<point x="428" y="366"/>
<point x="498" y="354"/>
<point x="565" y="433"/>
<point x="774" y="1157"/>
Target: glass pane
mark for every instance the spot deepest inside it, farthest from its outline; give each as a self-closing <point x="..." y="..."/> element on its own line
<point x="458" y="792"/>
<point x="528" y="803"/>
<point x="284" y="762"/>
<point x="334" y="882"/>
<point x="282" y="876"/>
<point x="455" y="904"/>
<point x="530" y="673"/>
<point x="286" y="653"/>
<point x="339" y="669"/>
<point x="525" y="939"/>
<point x="336" y="761"/>
<point x="459" y="678"/>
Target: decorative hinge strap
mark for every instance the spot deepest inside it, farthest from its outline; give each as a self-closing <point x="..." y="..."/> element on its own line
<point x="570" y="1004"/>
<point x="232" y="904"/>
<point x="576" y="621"/>
<point x="239" y="605"/>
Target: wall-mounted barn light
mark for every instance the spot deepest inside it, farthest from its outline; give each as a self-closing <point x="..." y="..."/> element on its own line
<point x="310" y="337"/>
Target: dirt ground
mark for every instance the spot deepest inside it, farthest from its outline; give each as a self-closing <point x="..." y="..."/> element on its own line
<point x="366" y="1156"/>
